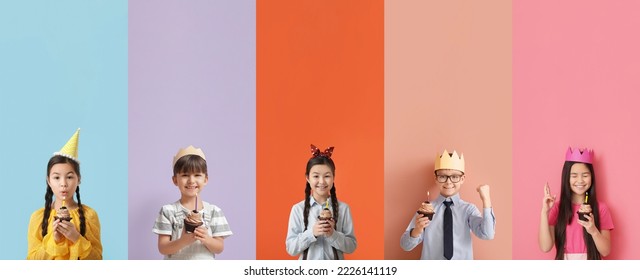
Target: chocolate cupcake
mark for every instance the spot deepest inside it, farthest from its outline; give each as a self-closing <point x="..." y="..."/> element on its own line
<point x="585" y="209"/>
<point x="325" y="215"/>
<point x="192" y="221"/>
<point x="426" y="209"/>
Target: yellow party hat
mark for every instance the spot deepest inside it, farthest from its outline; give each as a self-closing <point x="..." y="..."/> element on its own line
<point x="450" y="161"/>
<point x="191" y="150"/>
<point x="70" y="149"/>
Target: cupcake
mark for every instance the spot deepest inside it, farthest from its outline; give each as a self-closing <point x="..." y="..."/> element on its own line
<point x="192" y="221"/>
<point x="325" y="215"/>
<point x="426" y="209"/>
<point x="585" y="209"/>
<point x="62" y="213"/>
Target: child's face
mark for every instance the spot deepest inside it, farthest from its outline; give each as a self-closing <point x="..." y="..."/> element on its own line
<point x="190" y="184"/>
<point x="320" y="179"/>
<point x="580" y="178"/>
<point x="63" y="181"/>
<point x="449" y="188"/>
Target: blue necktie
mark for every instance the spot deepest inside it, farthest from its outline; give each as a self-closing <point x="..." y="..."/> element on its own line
<point x="448" y="231"/>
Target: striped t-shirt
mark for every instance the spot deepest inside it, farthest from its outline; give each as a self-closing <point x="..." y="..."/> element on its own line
<point x="171" y="220"/>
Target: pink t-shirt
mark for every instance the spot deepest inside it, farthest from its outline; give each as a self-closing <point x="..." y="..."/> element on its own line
<point x="574" y="238"/>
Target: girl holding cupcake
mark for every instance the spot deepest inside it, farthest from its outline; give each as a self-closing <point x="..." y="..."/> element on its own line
<point x="311" y="235"/>
<point x="64" y="229"/>
<point x="578" y="225"/>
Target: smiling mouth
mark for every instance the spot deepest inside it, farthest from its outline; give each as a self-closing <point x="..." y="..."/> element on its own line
<point x="191" y="187"/>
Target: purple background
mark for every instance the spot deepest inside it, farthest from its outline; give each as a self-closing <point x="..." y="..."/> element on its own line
<point x="192" y="82"/>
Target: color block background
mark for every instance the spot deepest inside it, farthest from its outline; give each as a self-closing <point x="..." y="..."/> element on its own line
<point x="319" y="80"/>
<point x="575" y="82"/>
<point x="192" y="82"/>
<point x="447" y="86"/>
<point x="62" y="66"/>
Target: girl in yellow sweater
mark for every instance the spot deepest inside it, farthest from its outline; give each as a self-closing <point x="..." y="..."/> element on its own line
<point x="64" y="229"/>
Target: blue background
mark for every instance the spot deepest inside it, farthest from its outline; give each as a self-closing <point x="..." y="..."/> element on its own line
<point x="63" y="66"/>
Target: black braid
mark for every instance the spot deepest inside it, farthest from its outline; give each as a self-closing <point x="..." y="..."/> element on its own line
<point x="48" y="199"/>
<point x="334" y="204"/>
<point x="83" y="224"/>
<point x="307" y="206"/>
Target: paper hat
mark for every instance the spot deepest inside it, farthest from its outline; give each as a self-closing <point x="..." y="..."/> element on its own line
<point x="191" y="150"/>
<point x="453" y="161"/>
<point x="70" y="149"/>
<point x="579" y="155"/>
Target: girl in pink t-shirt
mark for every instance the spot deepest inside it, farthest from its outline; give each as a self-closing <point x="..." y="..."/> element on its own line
<point x="576" y="236"/>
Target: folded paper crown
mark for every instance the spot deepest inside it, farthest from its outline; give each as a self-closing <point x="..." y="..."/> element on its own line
<point x="191" y="150"/>
<point x="450" y="161"/>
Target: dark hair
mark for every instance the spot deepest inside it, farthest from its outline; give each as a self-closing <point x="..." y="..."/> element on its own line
<point x="565" y="213"/>
<point x="320" y="160"/>
<point x="48" y="196"/>
<point x="190" y="164"/>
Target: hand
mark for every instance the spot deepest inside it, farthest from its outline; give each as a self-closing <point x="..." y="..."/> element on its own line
<point x="548" y="200"/>
<point x="484" y="192"/>
<point x="330" y="228"/>
<point x="421" y="222"/>
<point x="68" y="230"/>
<point x="589" y="225"/>
<point x="187" y="237"/>
<point x="201" y="233"/>
<point x="320" y="228"/>
<point x="57" y="236"/>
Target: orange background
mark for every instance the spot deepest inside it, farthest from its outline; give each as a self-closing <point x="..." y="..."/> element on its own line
<point x="319" y="80"/>
<point x="447" y="85"/>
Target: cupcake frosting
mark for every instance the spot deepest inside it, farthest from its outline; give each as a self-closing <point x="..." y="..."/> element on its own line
<point x="426" y="207"/>
<point x="325" y="214"/>
<point x="585" y="208"/>
<point x="194" y="218"/>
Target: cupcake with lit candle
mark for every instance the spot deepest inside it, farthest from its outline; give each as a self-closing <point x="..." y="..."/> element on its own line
<point x="426" y="209"/>
<point x="585" y="209"/>
<point x="62" y="213"/>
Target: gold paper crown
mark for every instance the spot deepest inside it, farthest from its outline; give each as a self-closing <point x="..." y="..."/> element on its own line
<point x="453" y="161"/>
<point x="70" y="149"/>
<point x="191" y="150"/>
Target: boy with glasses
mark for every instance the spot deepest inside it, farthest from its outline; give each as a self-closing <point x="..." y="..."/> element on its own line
<point x="448" y="235"/>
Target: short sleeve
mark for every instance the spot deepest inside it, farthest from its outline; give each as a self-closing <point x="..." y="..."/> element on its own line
<point x="606" y="222"/>
<point x="163" y="222"/>
<point x="219" y="225"/>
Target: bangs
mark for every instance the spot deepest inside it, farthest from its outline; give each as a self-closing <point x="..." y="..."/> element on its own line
<point x="190" y="164"/>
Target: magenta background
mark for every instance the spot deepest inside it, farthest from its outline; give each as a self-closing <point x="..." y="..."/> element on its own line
<point x="575" y="82"/>
<point x="192" y="81"/>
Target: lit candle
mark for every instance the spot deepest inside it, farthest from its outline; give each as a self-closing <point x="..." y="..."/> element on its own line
<point x="64" y="201"/>
<point x="586" y="198"/>
<point x="427" y="195"/>
<point x="326" y="204"/>
<point x="196" y="202"/>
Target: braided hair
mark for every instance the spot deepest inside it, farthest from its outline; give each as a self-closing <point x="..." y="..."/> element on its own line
<point x="48" y="196"/>
<point x="319" y="160"/>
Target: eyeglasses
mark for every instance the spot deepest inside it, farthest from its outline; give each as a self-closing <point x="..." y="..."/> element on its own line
<point x="443" y="178"/>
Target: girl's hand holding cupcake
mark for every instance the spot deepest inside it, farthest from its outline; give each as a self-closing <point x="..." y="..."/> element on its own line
<point x="65" y="229"/>
<point x="589" y="225"/>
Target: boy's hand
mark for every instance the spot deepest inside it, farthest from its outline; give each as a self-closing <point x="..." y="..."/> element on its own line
<point x="484" y="195"/>
<point x="421" y="223"/>
<point x="201" y="233"/>
<point x="187" y="237"/>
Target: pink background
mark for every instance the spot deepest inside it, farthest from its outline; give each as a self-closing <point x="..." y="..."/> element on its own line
<point x="447" y="85"/>
<point x="576" y="69"/>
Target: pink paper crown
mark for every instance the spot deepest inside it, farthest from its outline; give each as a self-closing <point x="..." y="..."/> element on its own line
<point x="580" y="155"/>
